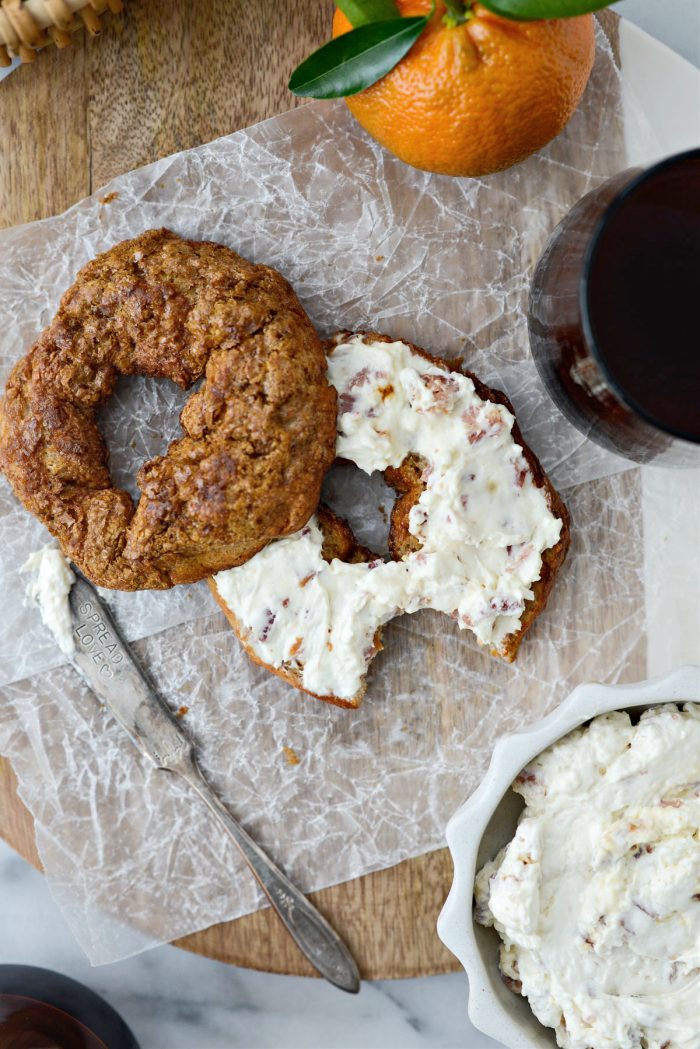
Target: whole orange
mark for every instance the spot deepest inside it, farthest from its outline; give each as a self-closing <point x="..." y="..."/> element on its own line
<point x="474" y="98"/>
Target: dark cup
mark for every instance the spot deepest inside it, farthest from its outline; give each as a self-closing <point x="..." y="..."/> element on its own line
<point x="614" y="313"/>
<point x="40" y="1009"/>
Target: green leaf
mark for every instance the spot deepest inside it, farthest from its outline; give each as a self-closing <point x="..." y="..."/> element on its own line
<point x="361" y="12"/>
<point x="357" y="59"/>
<point x="530" y="10"/>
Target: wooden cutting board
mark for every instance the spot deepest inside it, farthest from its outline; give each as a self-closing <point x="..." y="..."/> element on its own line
<point x="165" y="76"/>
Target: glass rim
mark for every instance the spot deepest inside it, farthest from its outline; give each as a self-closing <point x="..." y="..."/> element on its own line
<point x="620" y="198"/>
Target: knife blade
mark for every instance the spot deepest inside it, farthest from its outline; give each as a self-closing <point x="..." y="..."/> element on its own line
<point x="105" y="662"/>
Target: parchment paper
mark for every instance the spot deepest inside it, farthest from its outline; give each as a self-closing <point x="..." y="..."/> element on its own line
<point x="367" y="242"/>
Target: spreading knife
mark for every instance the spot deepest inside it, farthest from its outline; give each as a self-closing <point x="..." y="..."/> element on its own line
<point x="107" y="665"/>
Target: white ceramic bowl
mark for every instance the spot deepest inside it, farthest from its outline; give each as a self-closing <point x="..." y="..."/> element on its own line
<point x="487" y="821"/>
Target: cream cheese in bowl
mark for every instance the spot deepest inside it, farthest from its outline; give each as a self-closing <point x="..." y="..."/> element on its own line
<point x="597" y="896"/>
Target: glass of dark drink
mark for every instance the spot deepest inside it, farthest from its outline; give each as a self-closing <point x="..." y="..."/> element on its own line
<point x="40" y="1009"/>
<point x="614" y="313"/>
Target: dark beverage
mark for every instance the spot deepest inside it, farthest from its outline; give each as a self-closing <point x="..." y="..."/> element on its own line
<point x="28" y="1024"/>
<point x="43" y="1010"/>
<point x="615" y="313"/>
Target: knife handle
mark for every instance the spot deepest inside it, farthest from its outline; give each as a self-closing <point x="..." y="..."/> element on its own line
<point x="308" y="928"/>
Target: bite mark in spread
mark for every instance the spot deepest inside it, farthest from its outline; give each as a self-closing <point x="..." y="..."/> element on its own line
<point x="597" y="897"/>
<point x="482" y="523"/>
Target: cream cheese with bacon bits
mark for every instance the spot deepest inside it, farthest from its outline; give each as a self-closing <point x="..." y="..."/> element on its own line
<point x="597" y="897"/>
<point x="482" y="523"/>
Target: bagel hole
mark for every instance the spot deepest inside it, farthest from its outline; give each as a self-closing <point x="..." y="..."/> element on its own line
<point x="138" y="422"/>
<point x="364" y="501"/>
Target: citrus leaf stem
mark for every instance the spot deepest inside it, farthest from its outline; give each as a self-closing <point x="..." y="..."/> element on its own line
<point x="457" y="13"/>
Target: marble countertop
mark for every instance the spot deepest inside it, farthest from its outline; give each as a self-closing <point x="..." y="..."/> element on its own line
<point x="174" y="1000"/>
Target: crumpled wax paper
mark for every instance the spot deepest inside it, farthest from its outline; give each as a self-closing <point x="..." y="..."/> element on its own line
<point x="129" y="852"/>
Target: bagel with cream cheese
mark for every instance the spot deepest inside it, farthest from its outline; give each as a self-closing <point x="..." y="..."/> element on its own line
<point x="477" y="531"/>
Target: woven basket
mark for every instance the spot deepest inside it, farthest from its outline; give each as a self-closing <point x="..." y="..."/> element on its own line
<point x="27" y="25"/>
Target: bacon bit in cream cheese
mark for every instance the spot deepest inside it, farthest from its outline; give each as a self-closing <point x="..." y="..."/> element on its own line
<point x="482" y="522"/>
<point x="596" y="897"/>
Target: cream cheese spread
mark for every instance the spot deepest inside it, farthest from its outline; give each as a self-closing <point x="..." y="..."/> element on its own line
<point x="482" y="523"/>
<point x="597" y="897"/>
<point x="50" y="587"/>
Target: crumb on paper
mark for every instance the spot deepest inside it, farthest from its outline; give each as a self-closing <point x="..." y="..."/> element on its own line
<point x="109" y="197"/>
<point x="180" y="713"/>
<point x="290" y="755"/>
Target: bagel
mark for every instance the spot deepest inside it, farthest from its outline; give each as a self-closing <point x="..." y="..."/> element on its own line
<point x="477" y="530"/>
<point x="258" y="435"/>
<point x="336" y="542"/>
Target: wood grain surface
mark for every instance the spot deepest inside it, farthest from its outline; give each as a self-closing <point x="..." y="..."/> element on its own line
<point x="165" y="76"/>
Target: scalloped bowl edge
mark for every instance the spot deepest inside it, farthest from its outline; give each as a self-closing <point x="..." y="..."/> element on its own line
<point x="492" y="1013"/>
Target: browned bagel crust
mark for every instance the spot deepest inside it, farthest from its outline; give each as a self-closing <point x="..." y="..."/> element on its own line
<point x="259" y="434"/>
<point x="406" y="481"/>
<point x="338" y="542"/>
